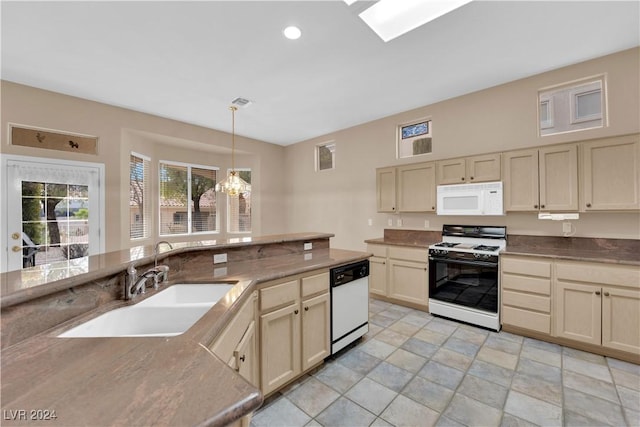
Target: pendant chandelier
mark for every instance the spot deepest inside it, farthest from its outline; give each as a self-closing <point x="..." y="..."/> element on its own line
<point x="233" y="185"/>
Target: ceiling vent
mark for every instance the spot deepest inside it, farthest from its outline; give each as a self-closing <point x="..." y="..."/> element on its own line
<point x="241" y="102"/>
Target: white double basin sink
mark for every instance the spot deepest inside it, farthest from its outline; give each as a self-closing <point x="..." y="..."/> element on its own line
<point x="168" y="313"/>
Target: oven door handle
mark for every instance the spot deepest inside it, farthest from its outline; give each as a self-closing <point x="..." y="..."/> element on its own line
<point x="466" y="262"/>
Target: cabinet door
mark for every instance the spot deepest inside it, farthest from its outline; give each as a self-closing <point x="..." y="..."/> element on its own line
<point x="611" y="174"/>
<point x="408" y="281"/>
<point x="559" y="178"/>
<point x="621" y="319"/>
<point x="386" y="189"/>
<point x="578" y="312"/>
<point x="378" y="276"/>
<point x="246" y="357"/>
<point x="316" y="334"/>
<point x="417" y="187"/>
<point x="520" y="180"/>
<point x="452" y="171"/>
<point x="280" y="347"/>
<point x="484" y="168"/>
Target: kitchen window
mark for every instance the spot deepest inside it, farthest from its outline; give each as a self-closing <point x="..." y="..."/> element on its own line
<point x="139" y="196"/>
<point x="239" y="208"/>
<point x="188" y="203"/>
<point x="573" y="106"/>
<point x="414" y="138"/>
<point x="325" y="156"/>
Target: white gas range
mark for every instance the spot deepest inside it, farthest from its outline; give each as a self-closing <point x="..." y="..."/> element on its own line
<point x="464" y="274"/>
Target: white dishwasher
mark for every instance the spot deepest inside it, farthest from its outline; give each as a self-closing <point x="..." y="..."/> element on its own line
<point x="349" y="304"/>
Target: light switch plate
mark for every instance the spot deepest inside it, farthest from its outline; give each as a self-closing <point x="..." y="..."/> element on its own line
<point x="566" y="227"/>
<point x="308" y="246"/>
<point x="219" y="258"/>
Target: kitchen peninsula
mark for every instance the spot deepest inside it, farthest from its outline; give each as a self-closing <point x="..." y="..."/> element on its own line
<point x="139" y="381"/>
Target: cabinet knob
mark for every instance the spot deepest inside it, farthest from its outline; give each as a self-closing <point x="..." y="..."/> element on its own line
<point x="306" y="309"/>
<point x="535" y="206"/>
<point x="296" y="312"/>
<point x="433" y="208"/>
<point x="588" y="205"/>
<point x="542" y="206"/>
<point x="471" y="178"/>
<point x="463" y="178"/>
<point x="606" y="294"/>
<point x="597" y="292"/>
<point x="242" y="358"/>
<point x="393" y="208"/>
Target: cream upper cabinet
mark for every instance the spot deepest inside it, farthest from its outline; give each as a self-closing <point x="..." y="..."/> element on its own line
<point x="611" y="174"/>
<point x="544" y="178"/>
<point x="558" y="175"/>
<point x="470" y="169"/>
<point x="416" y="187"/>
<point x="521" y="180"/>
<point x="386" y="189"/>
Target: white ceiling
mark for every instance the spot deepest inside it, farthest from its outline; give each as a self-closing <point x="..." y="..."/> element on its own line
<point x="188" y="60"/>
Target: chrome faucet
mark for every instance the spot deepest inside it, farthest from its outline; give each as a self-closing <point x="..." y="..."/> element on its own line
<point x="136" y="285"/>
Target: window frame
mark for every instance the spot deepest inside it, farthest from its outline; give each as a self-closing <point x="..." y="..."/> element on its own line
<point x="401" y="141"/>
<point x="146" y="207"/>
<point x="332" y="150"/>
<point x="189" y="167"/>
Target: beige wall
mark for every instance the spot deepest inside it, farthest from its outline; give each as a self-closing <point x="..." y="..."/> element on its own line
<point x="121" y="131"/>
<point x="341" y="200"/>
<point x="501" y="118"/>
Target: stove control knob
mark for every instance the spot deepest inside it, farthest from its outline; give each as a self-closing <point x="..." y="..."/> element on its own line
<point x="486" y="256"/>
<point x="476" y="256"/>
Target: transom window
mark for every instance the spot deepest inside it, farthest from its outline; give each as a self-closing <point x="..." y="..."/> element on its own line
<point x="573" y="106"/>
<point x="414" y="139"/>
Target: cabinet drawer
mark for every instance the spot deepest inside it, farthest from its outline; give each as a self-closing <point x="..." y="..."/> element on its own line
<point x="530" y="267"/>
<point x="526" y="319"/>
<point x="409" y="254"/>
<point x="527" y="301"/>
<point x="279" y="295"/>
<point x="377" y="250"/>
<point x="535" y="285"/>
<point x="602" y="274"/>
<point x="315" y="284"/>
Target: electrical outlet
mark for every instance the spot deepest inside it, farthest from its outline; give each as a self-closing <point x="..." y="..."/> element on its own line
<point x="399" y="223"/>
<point x="426" y="223"/>
<point x="219" y="258"/>
<point x="566" y="227"/>
<point x="308" y="246"/>
<point x="220" y="271"/>
<point x="390" y="223"/>
<point x="370" y="222"/>
<point x="308" y="257"/>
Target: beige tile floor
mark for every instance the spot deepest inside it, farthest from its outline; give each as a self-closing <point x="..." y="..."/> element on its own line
<point x="413" y="369"/>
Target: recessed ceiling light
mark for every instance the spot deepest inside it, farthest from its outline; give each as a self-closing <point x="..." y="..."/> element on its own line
<point x="392" y="18"/>
<point x="292" y="33"/>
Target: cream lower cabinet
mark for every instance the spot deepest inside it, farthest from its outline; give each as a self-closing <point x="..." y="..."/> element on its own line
<point x="598" y="304"/>
<point x="238" y="345"/>
<point x="526" y="293"/>
<point x="399" y="274"/>
<point x="294" y="328"/>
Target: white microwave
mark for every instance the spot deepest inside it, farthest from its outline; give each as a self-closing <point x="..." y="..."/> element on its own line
<point x="483" y="198"/>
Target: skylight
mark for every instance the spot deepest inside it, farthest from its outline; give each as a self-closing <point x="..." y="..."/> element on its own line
<point x="393" y="18"/>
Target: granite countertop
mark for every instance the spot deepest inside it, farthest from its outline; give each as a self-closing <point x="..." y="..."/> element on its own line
<point x="146" y="381"/>
<point x="613" y="251"/>
<point x="22" y="285"/>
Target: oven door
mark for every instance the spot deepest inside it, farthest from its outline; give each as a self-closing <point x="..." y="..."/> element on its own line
<point x="466" y="283"/>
